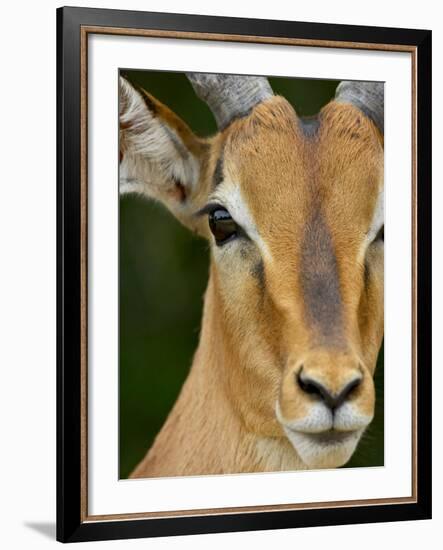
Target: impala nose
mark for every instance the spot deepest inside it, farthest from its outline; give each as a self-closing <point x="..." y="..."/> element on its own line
<point x="333" y="394"/>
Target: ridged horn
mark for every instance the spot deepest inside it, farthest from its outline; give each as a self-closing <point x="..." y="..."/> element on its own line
<point x="367" y="96"/>
<point x="230" y="96"/>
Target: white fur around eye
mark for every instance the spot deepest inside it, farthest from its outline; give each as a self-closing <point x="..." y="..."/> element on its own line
<point x="230" y="197"/>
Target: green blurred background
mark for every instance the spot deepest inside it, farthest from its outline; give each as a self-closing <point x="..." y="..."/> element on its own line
<point x="163" y="275"/>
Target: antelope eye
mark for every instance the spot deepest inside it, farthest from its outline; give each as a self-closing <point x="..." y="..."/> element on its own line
<point x="222" y="225"/>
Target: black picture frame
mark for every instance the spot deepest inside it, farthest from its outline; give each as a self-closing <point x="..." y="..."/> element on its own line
<point x="72" y="525"/>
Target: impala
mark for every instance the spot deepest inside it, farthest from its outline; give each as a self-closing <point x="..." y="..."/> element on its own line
<point x="293" y="321"/>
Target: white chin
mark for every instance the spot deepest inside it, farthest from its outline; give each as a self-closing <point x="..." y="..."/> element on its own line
<point x="322" y="450"/>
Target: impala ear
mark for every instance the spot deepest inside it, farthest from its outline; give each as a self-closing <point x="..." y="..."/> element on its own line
<point x="160" y="157"/>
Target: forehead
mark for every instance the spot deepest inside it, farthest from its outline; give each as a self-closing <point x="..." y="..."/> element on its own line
<point x="285" y="170"/>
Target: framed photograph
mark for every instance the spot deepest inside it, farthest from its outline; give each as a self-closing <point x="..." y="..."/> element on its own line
<point x="236" y="349"/>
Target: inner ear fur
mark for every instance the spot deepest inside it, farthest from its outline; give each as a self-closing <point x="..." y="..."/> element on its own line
<point x="161" y="157"/>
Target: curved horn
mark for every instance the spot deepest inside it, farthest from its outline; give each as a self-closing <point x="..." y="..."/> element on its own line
<point x="367" y="96"/>
<point x="230" y="96"/>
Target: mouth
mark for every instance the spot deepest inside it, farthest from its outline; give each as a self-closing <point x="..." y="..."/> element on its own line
<point x="324" y="440"/>
<point x="329" y="449"/>
<point x="330" y="437"/>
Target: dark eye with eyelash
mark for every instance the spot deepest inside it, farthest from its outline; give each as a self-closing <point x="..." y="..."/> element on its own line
<point x="222" y="226"/>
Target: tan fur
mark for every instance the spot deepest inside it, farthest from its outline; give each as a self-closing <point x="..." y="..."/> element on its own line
<point x="254" y="339"/>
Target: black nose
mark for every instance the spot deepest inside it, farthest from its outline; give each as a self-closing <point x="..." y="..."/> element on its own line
<point x="309" y="384"/>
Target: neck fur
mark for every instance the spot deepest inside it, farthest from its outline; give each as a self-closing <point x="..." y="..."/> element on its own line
<point x="203" y="433"/>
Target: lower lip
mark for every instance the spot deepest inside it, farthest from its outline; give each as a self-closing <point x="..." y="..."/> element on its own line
<point x="331" y="437"/>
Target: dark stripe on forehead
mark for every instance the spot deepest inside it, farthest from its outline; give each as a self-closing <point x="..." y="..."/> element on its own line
<point x="218" y="172"/>
<point x="320" y="281"/>
<point x="309" y="126"/>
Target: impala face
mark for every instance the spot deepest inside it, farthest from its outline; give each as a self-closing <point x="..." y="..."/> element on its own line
<point x="293" y="212"/>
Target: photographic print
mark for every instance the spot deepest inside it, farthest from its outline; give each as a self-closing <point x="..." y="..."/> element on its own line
<point x="251" y="274"/>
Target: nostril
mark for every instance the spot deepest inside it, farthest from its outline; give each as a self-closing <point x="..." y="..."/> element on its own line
<point x="349" y="388"/>
<point x="308" y="385"/>
<point x="333" y="400"/>
<point x="313" y="387"/>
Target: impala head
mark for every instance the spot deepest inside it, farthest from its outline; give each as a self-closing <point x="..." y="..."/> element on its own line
<point x="293" y="211"/>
